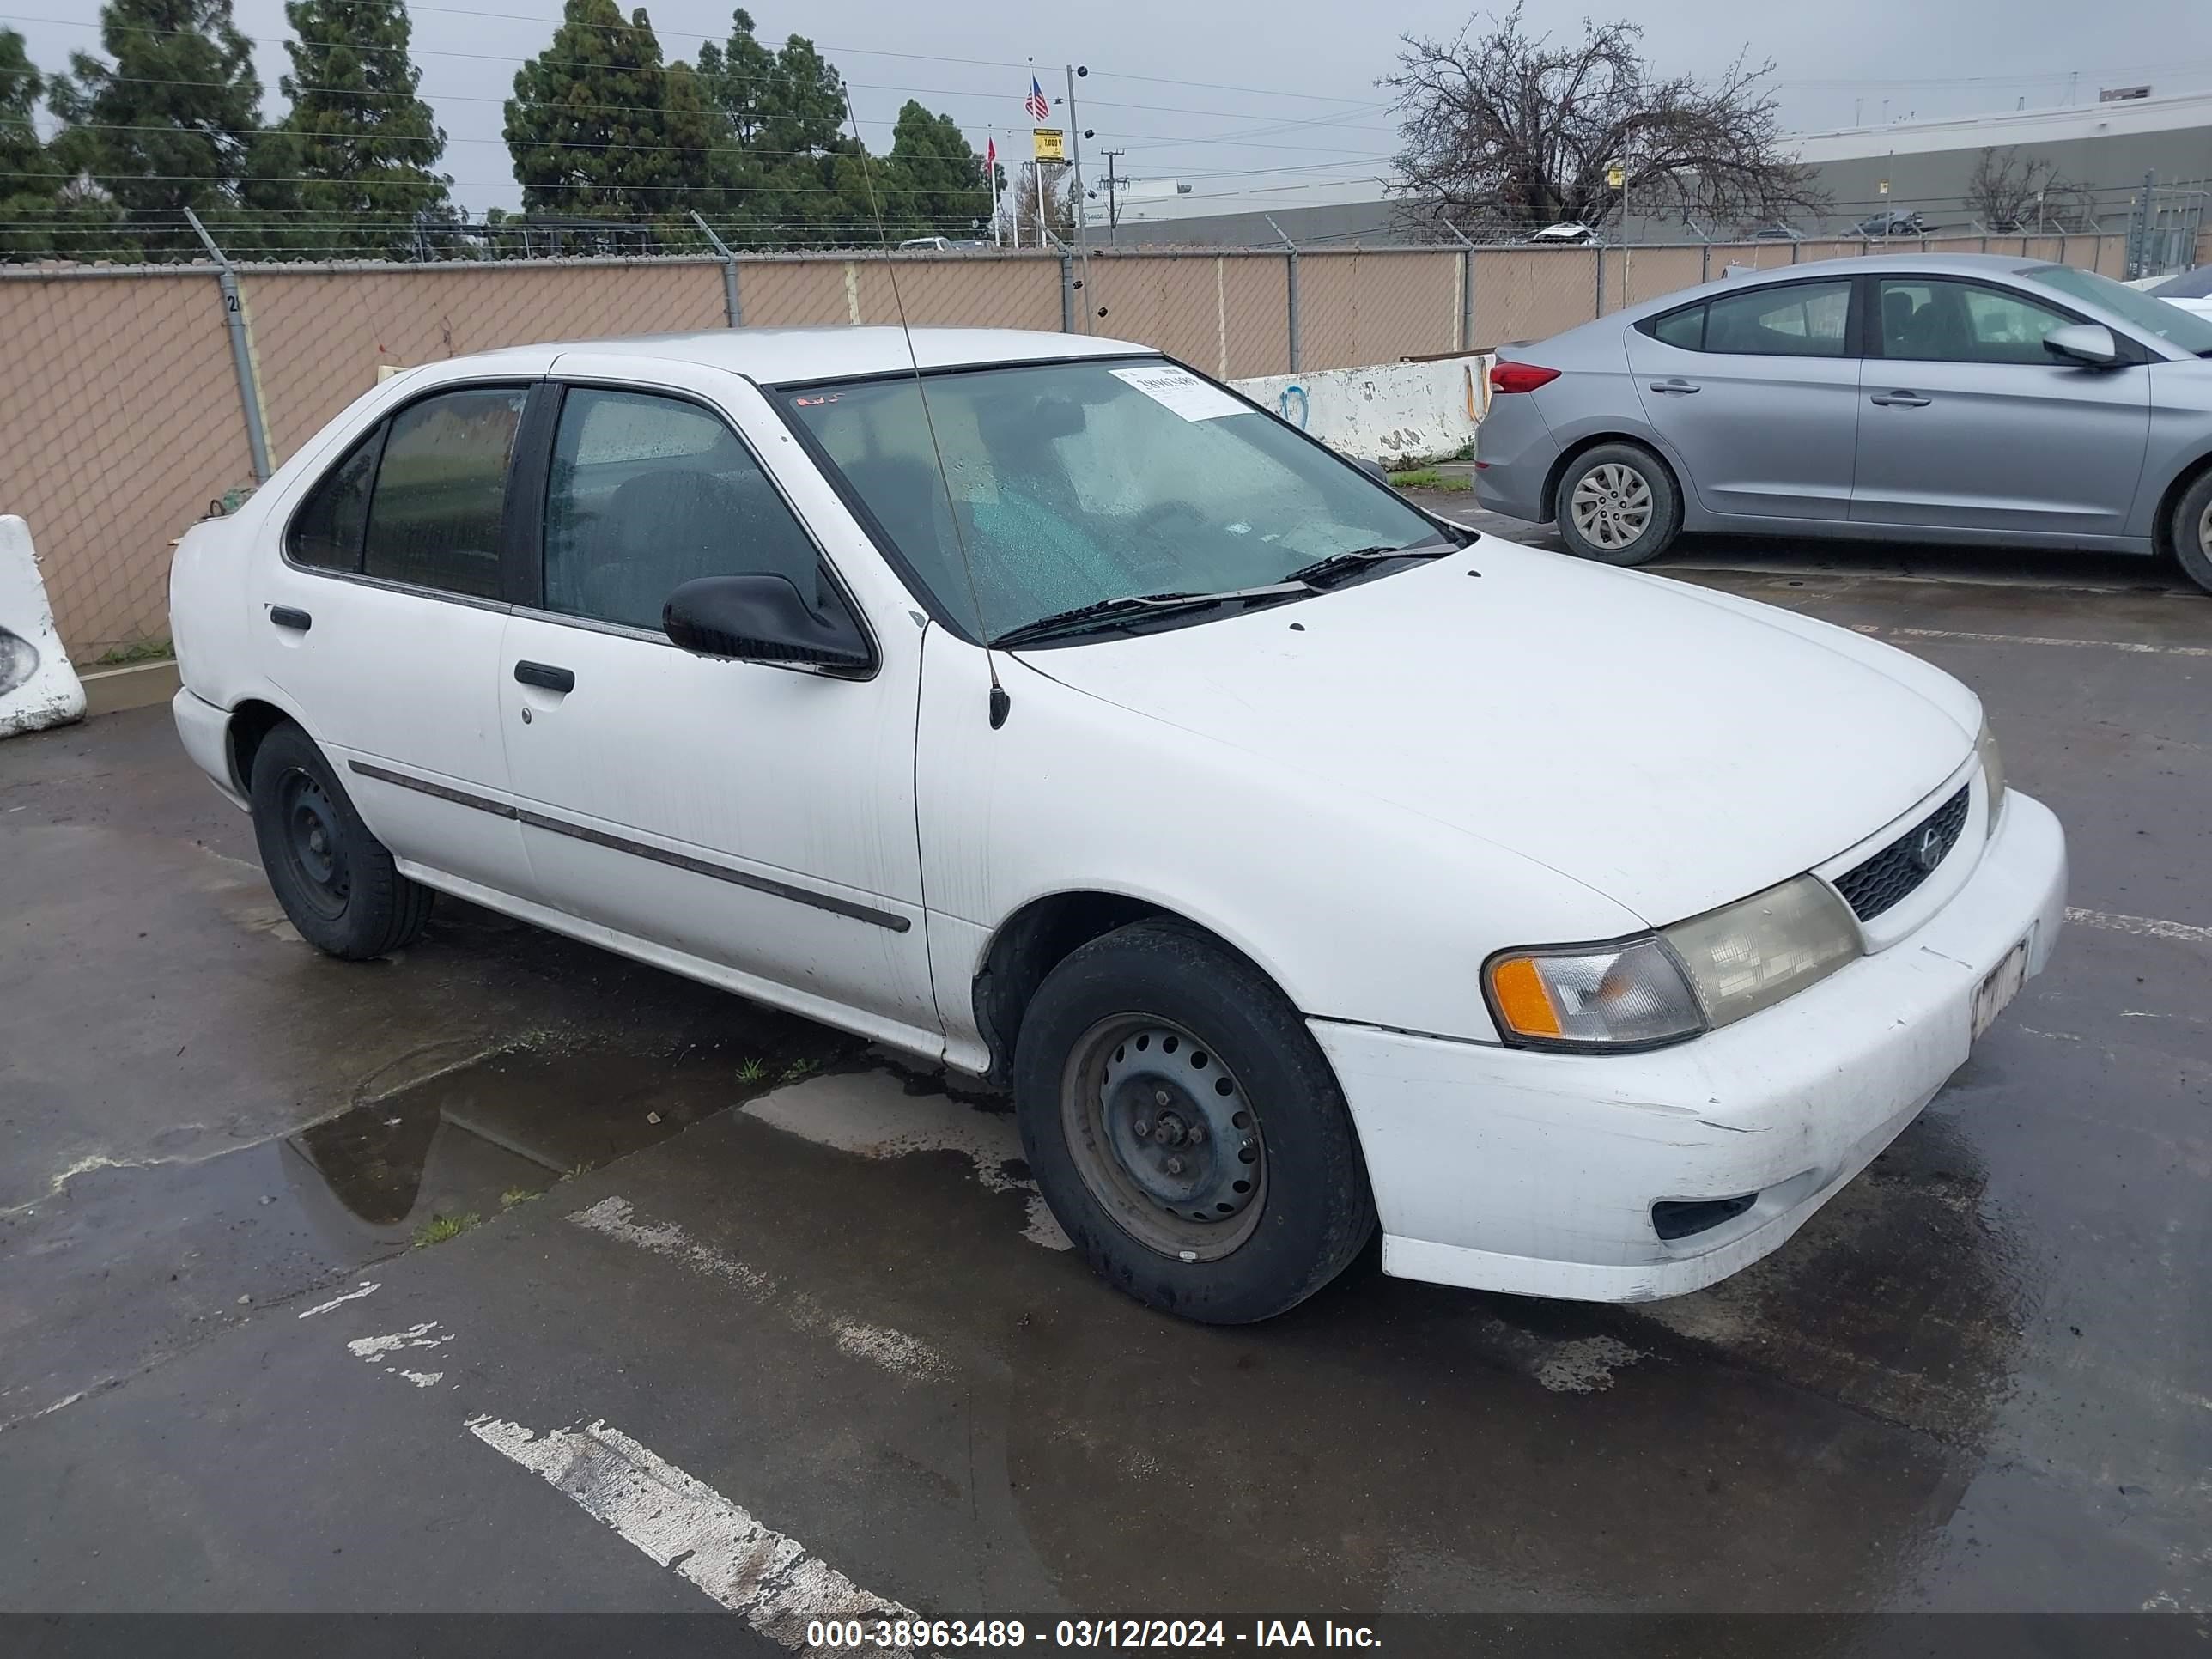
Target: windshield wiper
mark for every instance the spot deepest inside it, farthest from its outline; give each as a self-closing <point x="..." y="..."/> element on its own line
<point x="1108" y="612"/>
<point x="1359" y="559"/>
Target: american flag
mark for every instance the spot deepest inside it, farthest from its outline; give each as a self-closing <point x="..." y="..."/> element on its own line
<point x="1037" y="107"/>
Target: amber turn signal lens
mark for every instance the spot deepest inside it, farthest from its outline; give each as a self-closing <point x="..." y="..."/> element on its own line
<point x="1522" y="1001"/>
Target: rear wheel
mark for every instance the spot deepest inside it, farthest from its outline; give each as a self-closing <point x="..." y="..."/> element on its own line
<point x="335" y="880"/>
<point x="2192" y="530"/>
<point x="1186" y="1129"/>
<point x="1616" y="503"/>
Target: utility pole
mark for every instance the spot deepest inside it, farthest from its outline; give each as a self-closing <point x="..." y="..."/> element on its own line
<point x="1075" y="157"/>
<point x="1113" y="201"/>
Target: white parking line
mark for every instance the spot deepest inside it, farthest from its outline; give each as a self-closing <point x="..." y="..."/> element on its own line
<point x="769" y="1580"/>
<point x="903" y="1356"/>
<point x="2145" y="927"/>
<point x="368" y="1287"/>
<point x="2135" y="647"/>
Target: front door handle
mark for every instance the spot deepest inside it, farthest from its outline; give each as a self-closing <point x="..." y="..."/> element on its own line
<point x="1900" y="400"/>
<point x="545" y="676"/>
<point x="1677" y="385"/>
<point x="286" y="615"/>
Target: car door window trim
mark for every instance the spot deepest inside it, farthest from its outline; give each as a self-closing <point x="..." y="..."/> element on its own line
<point x="843" y="907"/>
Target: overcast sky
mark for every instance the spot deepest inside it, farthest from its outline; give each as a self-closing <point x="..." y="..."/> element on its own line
<point x="1285" y="87"/>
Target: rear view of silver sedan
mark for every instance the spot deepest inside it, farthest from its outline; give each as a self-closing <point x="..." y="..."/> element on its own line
<point x="1935" y="398"/>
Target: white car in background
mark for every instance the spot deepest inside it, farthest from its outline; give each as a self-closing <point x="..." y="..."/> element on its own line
<point x="2192" y="290"/>
<point x="1305" y="863"/>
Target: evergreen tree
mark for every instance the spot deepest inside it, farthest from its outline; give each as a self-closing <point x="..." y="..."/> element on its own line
<point x="936" y="179"/>
<point x="790" y="172"/>
<point x="367" y="146"/>
<point x="172" y="122"/>
<point x="30" y="182"/>
<point x="587" y="127"/>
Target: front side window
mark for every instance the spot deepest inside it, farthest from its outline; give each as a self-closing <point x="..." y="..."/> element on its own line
<point x="1079" y="483"/>
<point x="648" y="493"/>
<point x="327" y="531"/>
<point x="1796" y="319"/>
<point x="1963" y="323"/>
<point x="435" y="517"/>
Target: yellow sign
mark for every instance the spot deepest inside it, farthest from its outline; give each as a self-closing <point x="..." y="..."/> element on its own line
<point x="1615" y="178"/>
<point x="1051" y="144"/>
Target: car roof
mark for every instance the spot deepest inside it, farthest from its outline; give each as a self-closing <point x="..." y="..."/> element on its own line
<point x="782" y="355"/>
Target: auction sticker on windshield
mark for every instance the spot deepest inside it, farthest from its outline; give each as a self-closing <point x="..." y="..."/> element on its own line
<point x="1179" y="390"/>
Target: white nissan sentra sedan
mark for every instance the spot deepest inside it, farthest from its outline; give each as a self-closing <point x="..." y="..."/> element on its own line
<point x="1041" y="708"/>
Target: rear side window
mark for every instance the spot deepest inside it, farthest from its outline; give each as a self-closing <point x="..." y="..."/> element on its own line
<point x="1798" y="320"/>
<point x="1685" y="328"/>
<point x="327" y="533"/>
<point x="441" y="492"/>
<point x="648" y="493"/>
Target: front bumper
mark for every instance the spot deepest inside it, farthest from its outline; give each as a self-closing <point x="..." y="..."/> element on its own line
<point x="1508" y="1170"/>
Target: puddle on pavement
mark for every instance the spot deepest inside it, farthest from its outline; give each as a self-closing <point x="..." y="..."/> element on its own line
<point x="128" y="1262"/>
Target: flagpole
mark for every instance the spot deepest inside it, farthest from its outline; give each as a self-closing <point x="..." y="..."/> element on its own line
<point x="991" y="167"/>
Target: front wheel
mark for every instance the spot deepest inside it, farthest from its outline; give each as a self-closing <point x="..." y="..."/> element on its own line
<point x="1617" y="504"/>
<point x="1186" y="1129"/>
<point x="2192" y="531"/>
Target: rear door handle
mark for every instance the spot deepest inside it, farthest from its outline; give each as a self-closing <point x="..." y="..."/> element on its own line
<point x="1676" y="385"/>
<point x="285" y="616"/>
<point x="1900" y="400"/>
<point x="545" y="675"/>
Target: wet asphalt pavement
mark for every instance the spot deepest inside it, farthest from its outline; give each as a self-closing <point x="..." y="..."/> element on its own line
<point x="819" y="1286"/>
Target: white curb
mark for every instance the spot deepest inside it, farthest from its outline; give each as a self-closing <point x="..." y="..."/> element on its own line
<point x="38" y="687"/>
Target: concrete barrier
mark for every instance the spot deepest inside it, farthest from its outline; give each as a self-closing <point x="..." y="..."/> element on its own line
<point x="1398" y="414"/>
<point x="38" y="687"/>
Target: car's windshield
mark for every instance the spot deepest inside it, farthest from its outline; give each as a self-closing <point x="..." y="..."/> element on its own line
<point x="1077" y="482"/>
<point x="2181" y="329"/>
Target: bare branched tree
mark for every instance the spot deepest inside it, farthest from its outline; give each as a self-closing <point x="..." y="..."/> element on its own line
<point x="1503" y="131"/>
<point x="2006" y="192"/>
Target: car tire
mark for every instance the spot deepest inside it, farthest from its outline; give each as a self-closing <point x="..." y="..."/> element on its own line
<point x="1617" y="504"/>
<point x="2190" y="531"/>
<point x="336" y="881"/>
<point x="1156" y="1072"/>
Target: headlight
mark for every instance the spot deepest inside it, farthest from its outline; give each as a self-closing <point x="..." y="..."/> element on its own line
<point x="1748" y="955"/>
<point x="1993" y="781"/>
<point x="1708" y="971"/>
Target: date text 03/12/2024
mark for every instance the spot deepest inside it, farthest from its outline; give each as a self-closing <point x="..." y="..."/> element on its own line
<point x="938" y="1635"/>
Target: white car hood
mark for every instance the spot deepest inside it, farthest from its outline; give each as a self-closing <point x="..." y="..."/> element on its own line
<point x="1671" y="751"/>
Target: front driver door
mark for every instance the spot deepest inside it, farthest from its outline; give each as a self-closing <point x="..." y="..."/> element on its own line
<point x="757" y="819"/>
<point x="1967" y="421"/>
<point x="1757" y="394"/>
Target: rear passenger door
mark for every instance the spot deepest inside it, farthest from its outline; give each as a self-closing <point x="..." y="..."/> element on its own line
<point x="382" y="622"/>
<point x="1968" y="422"/>
<point x="1757" y="392"/>
<point x="754" y="817"/>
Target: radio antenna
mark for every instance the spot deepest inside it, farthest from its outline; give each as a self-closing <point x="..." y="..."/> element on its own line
<point x="999" y="703"/>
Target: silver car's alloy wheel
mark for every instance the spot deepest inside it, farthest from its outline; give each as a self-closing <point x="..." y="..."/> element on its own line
<point x="1611" y="505"/>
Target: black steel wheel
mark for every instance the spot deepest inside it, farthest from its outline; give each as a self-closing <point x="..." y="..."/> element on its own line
<point x="1186" y="1129"/>
<point x="336" y="881"/>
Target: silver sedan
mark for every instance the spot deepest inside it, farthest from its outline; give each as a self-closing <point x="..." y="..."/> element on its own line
<point x="1940" y="398"/>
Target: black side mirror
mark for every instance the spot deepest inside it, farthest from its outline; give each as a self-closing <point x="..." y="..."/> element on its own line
<point x="762" y="618"/>
<point x="1380" y="473"/>
<point x="2086" y="345"/>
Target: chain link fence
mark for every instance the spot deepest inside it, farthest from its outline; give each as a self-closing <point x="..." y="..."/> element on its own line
<point x="137" y="401"/>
